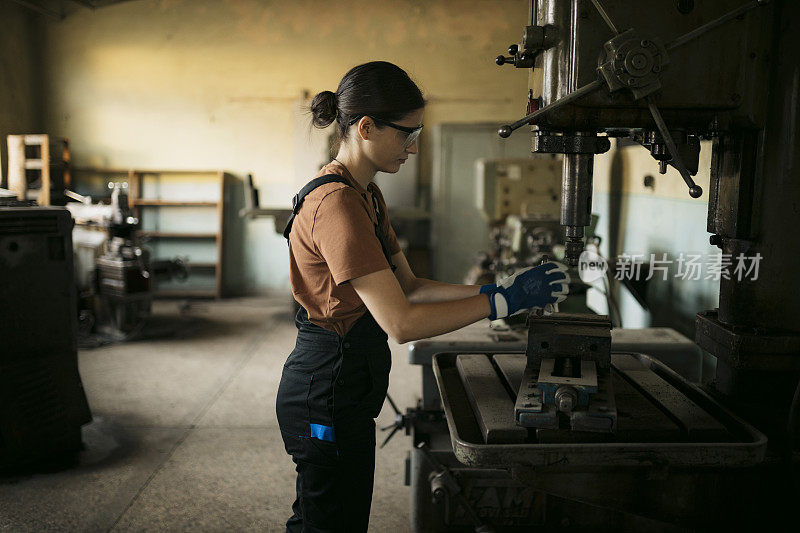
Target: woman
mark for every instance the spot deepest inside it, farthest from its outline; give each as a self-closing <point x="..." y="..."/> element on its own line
<point x="355" y="287"/>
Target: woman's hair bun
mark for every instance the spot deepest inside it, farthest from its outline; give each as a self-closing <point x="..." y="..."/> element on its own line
<point x="324" y="109"/>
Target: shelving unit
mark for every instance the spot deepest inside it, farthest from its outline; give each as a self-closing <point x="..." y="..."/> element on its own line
<point x="38" y="167"/>
<point x="181" y="213"/>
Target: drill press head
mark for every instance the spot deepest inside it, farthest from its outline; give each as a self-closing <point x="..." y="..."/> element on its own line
<point x="590" y="76"/>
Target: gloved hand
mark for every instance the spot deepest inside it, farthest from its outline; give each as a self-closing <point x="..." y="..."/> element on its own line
<point x="529" y="288"/>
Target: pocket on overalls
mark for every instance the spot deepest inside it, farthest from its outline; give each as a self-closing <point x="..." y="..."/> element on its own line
<point x="291" y="406"/>
<point x="320" y="392"/>
<point x="302" y="409"/>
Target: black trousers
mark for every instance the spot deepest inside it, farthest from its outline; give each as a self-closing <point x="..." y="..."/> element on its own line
<point x="331" y="390"/>
<point x="334" y="488"/>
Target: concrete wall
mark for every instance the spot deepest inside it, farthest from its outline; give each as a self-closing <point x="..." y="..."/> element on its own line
<point x="220" y="84"/>
<point x="20" y="85"/>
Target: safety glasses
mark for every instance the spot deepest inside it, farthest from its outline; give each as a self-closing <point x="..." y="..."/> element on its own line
<point x="411" y="133"/>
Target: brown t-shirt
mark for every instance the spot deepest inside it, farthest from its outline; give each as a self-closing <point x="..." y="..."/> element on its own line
<point x="333" y="241"/>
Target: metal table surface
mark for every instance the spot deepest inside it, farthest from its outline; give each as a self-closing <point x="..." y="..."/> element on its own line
<point x="666" y="422"/>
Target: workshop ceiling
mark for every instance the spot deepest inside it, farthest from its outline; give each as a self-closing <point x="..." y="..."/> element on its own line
<point x="61" y="9"/>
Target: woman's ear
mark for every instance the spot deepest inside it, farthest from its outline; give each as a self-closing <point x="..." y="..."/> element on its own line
<point x="365" y="127"/>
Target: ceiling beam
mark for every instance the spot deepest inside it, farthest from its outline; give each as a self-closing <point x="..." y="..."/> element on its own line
<point x="40" y="9"/>
<point x="34" y="5"/>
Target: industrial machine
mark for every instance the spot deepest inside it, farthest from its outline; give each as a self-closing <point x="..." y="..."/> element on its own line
<point x="42" y="403"/>
<point x="113" y="271"/>
<point x="584" y="433"/>
<point x="519" y="199"/>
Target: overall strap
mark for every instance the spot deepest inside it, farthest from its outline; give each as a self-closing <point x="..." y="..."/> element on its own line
<point x="382" y="237"/>
<point x="297" y="201"/>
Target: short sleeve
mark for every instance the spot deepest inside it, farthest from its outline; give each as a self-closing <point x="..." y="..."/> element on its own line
<point x="345" y="236"/>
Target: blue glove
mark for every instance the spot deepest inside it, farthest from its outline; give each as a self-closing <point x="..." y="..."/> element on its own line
<point x="529" y="288"/>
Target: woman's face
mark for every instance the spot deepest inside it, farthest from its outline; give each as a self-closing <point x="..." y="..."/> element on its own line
<point x="385" y="146"/>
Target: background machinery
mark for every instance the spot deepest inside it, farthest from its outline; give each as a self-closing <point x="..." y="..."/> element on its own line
<point x="114" y="272"/>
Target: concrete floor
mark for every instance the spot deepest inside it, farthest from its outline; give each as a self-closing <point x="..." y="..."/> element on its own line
<point x="185" y="437"/>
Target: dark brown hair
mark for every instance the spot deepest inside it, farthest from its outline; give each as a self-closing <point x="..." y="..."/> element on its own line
<point x="379" y="89"/>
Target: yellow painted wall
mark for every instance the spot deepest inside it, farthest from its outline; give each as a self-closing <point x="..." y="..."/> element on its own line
<point x="202" y="84"/>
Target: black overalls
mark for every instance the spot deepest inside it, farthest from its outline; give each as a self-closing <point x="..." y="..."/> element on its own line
<point x="330" y="393"/>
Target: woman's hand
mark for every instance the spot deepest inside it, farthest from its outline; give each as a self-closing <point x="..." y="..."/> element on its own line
<point x="529" y="288"/>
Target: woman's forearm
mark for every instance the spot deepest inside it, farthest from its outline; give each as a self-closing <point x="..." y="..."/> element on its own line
<point x="429" y="319"/>
<point x="405" y="320"/>
<point x="428" y="291"/>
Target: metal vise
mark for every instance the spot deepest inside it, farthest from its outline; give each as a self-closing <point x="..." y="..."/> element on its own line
<point x="568" y="371"/>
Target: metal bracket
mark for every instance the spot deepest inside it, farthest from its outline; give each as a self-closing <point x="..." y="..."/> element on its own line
<point x="746" y="348"/>
<point x="538" y="38"/>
